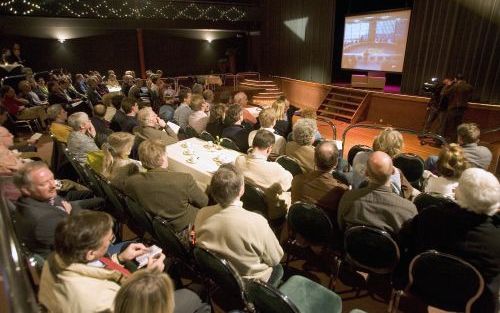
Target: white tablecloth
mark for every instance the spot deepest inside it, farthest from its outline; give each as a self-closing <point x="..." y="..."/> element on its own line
<point x="204" y="159"/>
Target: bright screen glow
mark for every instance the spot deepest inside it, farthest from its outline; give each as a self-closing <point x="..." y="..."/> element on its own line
<point x="376" y="42"/>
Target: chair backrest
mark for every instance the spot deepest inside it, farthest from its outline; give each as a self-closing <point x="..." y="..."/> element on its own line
<point x="229" y="144"/>
<point x="267" y="299"/>
<point x="290" y="164"/>
<point x="76" y="166"/>
<point x="191" y="132"/>
<point x="206" y="136"/>
<point x="112" y="197"/>
<point x="341" y="177"/>
<point x="371" y="249"/>
<point x="254" y="200"/>
<point x="427" y="199"/>
<point x="58" y="156"/>
<point x="138" y="216"/>
<point x="310" y="222"/>
<point x="221" y="272"/>
<point x="410" y="164"/>
<point x="354" y="150"/>
<point x="445" y="281"/>
<point x="169" y="240"/>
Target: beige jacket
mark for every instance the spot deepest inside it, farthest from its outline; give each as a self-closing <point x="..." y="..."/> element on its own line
<point x="78" y="288"/>
<point x="303" y="154"/>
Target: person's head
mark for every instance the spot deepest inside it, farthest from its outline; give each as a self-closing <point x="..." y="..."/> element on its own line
<point x="16" y="49"/>
<point x="227" y="185"/>
<point x="217" y="113"/>
<point x="303" y="131"/>
<point x="389" y="141"/>
<point x="379" y="168"/>
<point x="147" y="117"/>
<point x="263" y="141"/>
<point x="128" y="80"/>
<point x="185" y="95"/>
<point x="24" y="86"/>
<point x="267" y="118"/>
<point x="451" y="162"/>
<point x="41" y="81"/>
<point x="116" y="101"/>
<point x="79" y="121"/>
<point x="197" y="103"/>
<point x="35" y="180"/>
<point x="64" y="83"/>
<point x="468" y="133"/>
<point x="208" y="95"/>
<point x="279" y="106"/>
<point x="153" y="154"/>
<point x="159" y="73"/>
<point x="99" y="111"/>
<point x="92" y="81"/>
<point x="84" y="237"/>
<point x="7" y="92"/>
<point x="6" y="138"/>
<point x="234" y="114"/>
<point x="118" y="146"/>
<point x="146" y="292"/>
<point x="197" y="89"/>
<point x="309" y="113"/>
<point x="53" y="86"/>
<point x="79" y="78"/>
<point x="326" y="156"/>
<point x="56" y="112"/>
<point x="241" y="98"/>
<point x="478" y="191"/>
<point x="129" y="105"/>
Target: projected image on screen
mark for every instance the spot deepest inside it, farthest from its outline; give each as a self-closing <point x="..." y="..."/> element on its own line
<point x="376" y="42"/>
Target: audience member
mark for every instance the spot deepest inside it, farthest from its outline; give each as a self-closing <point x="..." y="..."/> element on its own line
<point x="181" y="114"/>
<point x="118" y="115"/>
<point x="112" y="82"/>
<point x="267" y="120"/>
<point x="242" y="99"/>
<point x="319" y="187"/>
<point x="209" y="97"/>
<point x="468" y="138"/>
<point x="27" y="94"/>
<point x="79" y="277"/>
<point x="101" y="126"/>
<point x="128" y="82"/>
<point x="59" y="128"/>
<point x="301" y="148"/>
<point x="450" y="165"/>
<point x="93" y="95"/>
<point x="10" y="162"/>
<point x="17" y="107"/>
<point x="81" y="140"/>
<point x="197" y="89"/>
<point x="40" y="209"/>
<point x="216" y="119"/>
<point x="244" y="238"/>
<point x="469" y="230"/>
<point x="36" y="89"/>
<point x="234" y="129"/>
<point x="43" y="87"/>
<point x="69" y="90"/>
<point x="153" y="127"/>
<point x="172" y="195"/>
<point x="375" y="205"/>
<point x="80" y="84"/>
<point x="130" y="108"/>
<point x="271" y="177"/>
<point x="116" y="165"/>
<point x="283" y="114"/>
<point x="198" y="119"/>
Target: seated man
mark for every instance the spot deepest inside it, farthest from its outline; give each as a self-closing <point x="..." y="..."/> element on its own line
<point x="114" y="113"/>
<point x="26" y="93"/>
<point x="234" y="129"/>
<point x="375" y="205"/>
<point x="40" y="209"/>
<point x="181" y="114"/>
<point x="271" y="177"/>
<point x="242" y="237"/>
<point x="301" y="148"/>
<point x="198" y="119"/>
<point x="130" y="108"/>
<point x="468" y="230"/>
<point x="92" y="94"/>
<point x="59" y="128"/>
<point x="319" y="187"/>
<point x="468" y="137"/>
<point x="81" y="140"/>
<point x="267" y="120"/>
<point x="153" y="127"/>
<point x="9" y="161"/>
<point x="17" y="107"/>
<point x="101" y="126"/>
<point x="172" y="195"/>
<point x="242" y="99"/>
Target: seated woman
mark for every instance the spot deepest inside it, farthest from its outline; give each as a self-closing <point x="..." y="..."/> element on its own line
<point x="216" y="119"/>
<point x="301" y="148"/>
<point x="112" y="82"/>
<point x="284" y="114"/>
<point x="450" y="165"/>
<point x="17" y="107"/>
<point x="116" y="166"/>
<point x="198" y="119"/>
<point x="79" y="276"/>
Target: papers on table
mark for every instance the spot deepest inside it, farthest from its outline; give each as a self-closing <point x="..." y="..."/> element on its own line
<point x="174" y="127"/>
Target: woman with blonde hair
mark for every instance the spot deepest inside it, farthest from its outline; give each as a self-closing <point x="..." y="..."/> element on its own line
<point x="112" y="82"/>
<point x="116" y="166"/>
<point x="450" y="165"/>
<point x="283" y="121"/>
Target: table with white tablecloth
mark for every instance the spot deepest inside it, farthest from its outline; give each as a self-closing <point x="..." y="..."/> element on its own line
<point x="199" y="158"/>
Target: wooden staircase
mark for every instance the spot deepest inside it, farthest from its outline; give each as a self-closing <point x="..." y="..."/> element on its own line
<point x="342" y="104"/>
<point x="262" y="92"/>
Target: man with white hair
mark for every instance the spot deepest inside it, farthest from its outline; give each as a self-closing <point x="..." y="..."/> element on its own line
<point x="81" y="140"/>
<point x="153" y="127"/>
<point x="242" y="99"/>
<point x="469" y="230"/>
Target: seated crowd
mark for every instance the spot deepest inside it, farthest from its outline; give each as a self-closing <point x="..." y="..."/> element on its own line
<point x="122" y="133"/>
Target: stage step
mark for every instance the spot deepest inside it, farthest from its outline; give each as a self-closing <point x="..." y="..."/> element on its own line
<point x="341" y="103"/>
<point x="265" y="91"/>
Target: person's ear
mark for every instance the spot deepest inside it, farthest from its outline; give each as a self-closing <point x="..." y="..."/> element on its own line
<point x="25" y="191"/>
<point x="90" y="255"/>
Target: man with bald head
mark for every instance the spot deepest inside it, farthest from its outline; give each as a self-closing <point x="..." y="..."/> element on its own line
<point x="376" y="205"/>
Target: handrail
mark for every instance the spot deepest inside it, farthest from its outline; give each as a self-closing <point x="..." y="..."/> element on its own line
<point x="381" y="127"/>
<point x="16" y="285"/>
<point x="490" y="130"/>
<point x="329" y="122"/>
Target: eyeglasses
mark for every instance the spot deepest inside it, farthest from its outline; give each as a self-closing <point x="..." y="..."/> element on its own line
<point x="113" y="239"/>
